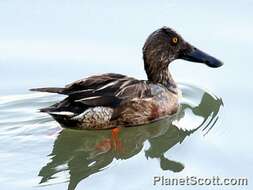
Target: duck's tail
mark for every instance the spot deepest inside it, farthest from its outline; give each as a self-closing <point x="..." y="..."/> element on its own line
<point x="50" y="90"/>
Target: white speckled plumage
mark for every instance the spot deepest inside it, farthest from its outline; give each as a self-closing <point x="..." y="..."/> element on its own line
<point x="94" y="117"/>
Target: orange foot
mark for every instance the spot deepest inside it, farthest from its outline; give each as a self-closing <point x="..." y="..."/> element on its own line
<point x="115" y="140"/>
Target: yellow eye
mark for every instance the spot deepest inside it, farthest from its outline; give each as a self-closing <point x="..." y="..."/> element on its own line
<point x="174" y="40"/>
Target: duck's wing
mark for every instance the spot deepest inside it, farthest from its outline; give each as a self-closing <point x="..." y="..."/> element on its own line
<point x="97" y="85"/>
<point x="98" y="90"/>
<point x="106" y="85"/>
<point x="90" y="84"/>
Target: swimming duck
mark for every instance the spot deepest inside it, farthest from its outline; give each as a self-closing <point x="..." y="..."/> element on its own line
<point x="112" y="100"/>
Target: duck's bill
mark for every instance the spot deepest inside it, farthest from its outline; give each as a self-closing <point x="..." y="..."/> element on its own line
<point x="199" y="56"/>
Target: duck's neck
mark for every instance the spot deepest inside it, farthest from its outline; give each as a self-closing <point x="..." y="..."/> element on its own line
<point x="161" y="76"/>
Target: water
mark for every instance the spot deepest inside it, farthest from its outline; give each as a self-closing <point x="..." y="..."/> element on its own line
<point x="46" y="43"/>
<point x="75" y="155"/>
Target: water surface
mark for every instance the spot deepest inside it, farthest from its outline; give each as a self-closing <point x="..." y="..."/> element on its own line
<point x="45" y="43"/>
<point x="82" y="155"/>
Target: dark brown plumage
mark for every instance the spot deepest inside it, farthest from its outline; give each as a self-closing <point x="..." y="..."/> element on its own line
<point x="110" y="100"/>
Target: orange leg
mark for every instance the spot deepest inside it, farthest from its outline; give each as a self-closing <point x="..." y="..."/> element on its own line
<point x="115" y="139"/>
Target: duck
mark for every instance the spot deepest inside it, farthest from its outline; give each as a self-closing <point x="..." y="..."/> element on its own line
<point x="112" y="100"/>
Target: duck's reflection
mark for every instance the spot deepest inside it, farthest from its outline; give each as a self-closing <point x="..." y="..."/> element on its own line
<point x="83" y="153"/>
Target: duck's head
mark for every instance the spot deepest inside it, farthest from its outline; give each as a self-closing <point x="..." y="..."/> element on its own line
<point x="164" y="46"/>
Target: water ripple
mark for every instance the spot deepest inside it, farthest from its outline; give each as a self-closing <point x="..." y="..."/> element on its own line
<point x="75" y="155"/>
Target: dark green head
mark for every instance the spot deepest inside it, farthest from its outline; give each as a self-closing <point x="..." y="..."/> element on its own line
<point x="165" y="45"/>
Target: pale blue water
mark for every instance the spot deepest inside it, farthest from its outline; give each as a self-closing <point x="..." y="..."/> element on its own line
<point x="45" y="43"/>
<point x="76" y="155"/>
